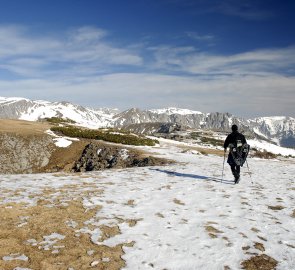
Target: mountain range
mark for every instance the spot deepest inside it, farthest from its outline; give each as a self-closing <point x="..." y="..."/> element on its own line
<point x="278" y="129"/>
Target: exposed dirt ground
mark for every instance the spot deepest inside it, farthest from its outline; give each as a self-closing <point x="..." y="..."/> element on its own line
<point x="63" y="159"/>
<point x="50" y="233"/>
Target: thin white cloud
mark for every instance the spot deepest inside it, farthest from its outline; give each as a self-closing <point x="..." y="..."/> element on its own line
<point x="245" y="96"/>
<point x="73" y="67"/>
<point x="198" y="37"/>
<point x="85" y="47"/>
<point x="86" y="33"/>
<point x="263" y="62"/>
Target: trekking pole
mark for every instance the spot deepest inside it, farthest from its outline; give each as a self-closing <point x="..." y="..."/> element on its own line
<point x="223" y="166"/>
<point x="249" y="172"/>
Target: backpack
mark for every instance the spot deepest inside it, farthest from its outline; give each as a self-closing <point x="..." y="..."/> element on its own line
<point x="239" y="151"/>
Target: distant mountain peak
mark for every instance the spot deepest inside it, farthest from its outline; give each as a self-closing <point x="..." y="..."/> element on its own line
<point x="12" y="99"/>
<point x="174" y="110"/>
<point x="25" y="109"/>
<point x="279" y="129"/>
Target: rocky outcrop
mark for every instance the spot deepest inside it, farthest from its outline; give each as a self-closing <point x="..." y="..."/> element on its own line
<point x="154" y="128"/>
<point x="24" y="154"/>
<point x="136" y="116"/>
<point x="25" y="147"/>
<point x="97" y="157"/>
<point x="34" y="154"/>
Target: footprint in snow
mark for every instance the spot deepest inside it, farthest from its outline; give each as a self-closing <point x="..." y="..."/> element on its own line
<point x="211" y="230"/>
<point x="176" y="201"/>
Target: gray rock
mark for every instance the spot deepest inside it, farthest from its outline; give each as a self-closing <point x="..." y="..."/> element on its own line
<point x="24" y="154"/>
<point x="96" y="157"/>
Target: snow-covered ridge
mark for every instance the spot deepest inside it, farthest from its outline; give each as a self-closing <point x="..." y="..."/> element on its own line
<point x="276" y="124"/>
<point x="279" y="129"/>
<point x="7" y="100"/>
<point x="25" y="109"/>
<point x="172" y="110"/>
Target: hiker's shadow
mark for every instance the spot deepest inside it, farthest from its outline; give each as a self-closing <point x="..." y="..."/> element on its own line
<point x="195" y="176"/>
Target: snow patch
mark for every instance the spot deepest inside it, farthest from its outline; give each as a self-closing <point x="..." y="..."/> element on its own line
<point x="275" y="149"/>
<point x="16" y="256"/>
<point x="50" y="240"/>
<point x="62" y="142"/>
<point x="94" y="263"/>
<point x="71" y="223"/>
<point x="124" y="154"/>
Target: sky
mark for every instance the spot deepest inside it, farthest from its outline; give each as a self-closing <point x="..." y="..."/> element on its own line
<point x="235" y="56"/>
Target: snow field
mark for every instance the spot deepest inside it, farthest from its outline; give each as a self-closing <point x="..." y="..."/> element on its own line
<point x="186" y="218"/>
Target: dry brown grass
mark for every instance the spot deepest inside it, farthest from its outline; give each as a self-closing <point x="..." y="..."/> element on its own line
<point x="130" y="203"/>
<point x="263" y="154"/>
<point x="23" y="127"/>
<point x="55" y="214"/>
<point x="259" y="262"/>
<point x="203" y="151"/>
<point x="63" y="159"/>
<point x="262" y="238"/>
<point x="212" y="231"/>
<point x="255" y="230"/>
<point x="178" y="202"/>
<point x="160" y="215"/>
<point x="276" y="207"/>
<point x="259" y="246"/>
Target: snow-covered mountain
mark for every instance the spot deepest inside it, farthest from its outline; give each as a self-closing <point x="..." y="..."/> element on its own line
<point x="25" y="109"/>
<point x="172" y="110"/>
<point x="280" y="130"/>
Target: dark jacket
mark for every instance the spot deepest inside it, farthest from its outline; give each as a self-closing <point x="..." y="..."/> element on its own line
<point x="233" y="137"/>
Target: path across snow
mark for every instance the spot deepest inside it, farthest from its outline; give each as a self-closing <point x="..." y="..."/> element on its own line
<point x="186" y="218"/>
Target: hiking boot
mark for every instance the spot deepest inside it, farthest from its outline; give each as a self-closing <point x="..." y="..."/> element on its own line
<point x="237" y="179"/>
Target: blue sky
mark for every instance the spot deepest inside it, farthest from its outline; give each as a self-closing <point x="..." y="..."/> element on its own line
<point x="227" y="56"/>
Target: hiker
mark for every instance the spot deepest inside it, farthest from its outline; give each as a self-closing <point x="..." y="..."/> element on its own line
<point x="233" y="141"/>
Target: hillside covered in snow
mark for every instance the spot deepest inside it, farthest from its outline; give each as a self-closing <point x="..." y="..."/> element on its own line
<point x="174" y="217"/>
<point x="280" y="130"/>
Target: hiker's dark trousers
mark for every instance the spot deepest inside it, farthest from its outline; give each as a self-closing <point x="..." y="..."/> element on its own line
<point x="234" y="167"/>
<point x="235" y="170"/>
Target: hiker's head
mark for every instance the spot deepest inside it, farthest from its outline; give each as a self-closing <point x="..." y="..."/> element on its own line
<point x="234" y="128"/>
